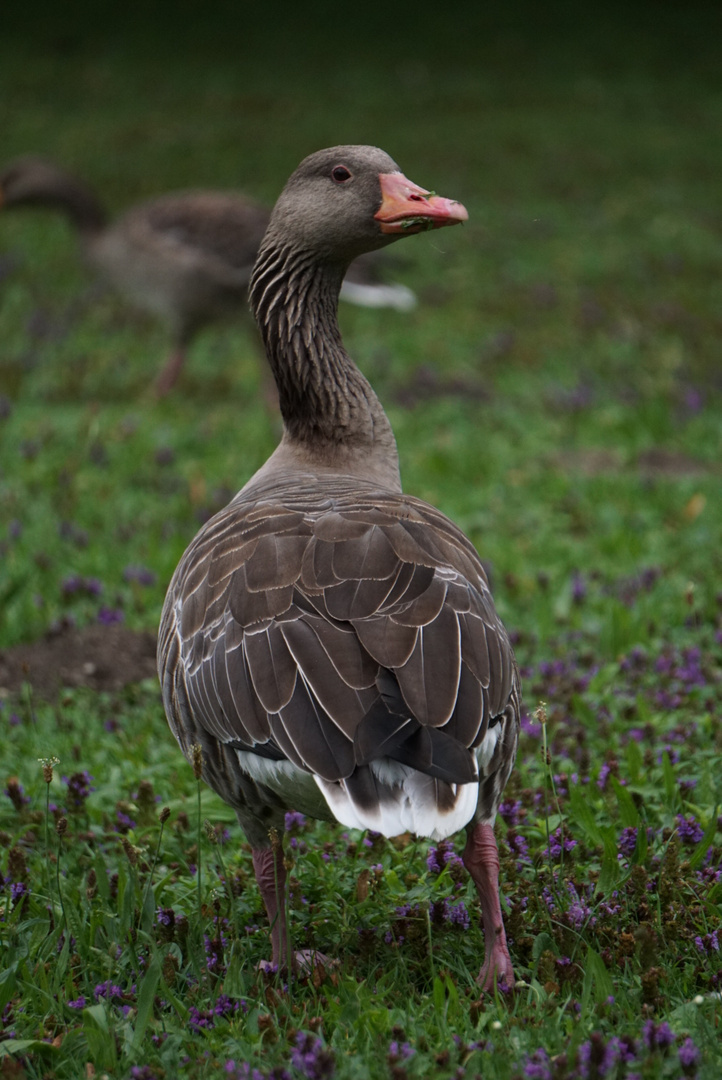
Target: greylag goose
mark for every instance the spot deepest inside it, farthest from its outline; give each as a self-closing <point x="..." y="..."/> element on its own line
<point x="328" y="644"/>
<point x="185" y="258"/>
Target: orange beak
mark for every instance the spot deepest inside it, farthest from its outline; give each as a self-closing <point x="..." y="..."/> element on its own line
<point x="406" y="208"/>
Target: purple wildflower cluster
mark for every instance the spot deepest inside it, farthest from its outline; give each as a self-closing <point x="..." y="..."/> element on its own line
<point x="628" y="841"/>
<point x="400" y="1052"/>
<point x="598" y="1058"/>
<point x="689" y="830"/>
<point x="214" y="950"/>
<point x="311" y="1058"/>
<point x="123" y="820"/>
<point x="537" y="1066"/>
<point x="141" y="575"/>
<point x="108" y="615"/>
<point x="77" y="585"/>
<point x="294" y="821"/>
<point x="79" y="788"/>
<point x="223" y="1008"/>
<point x="444" y="912"/>
<point x="578" y="912"/>
<point x="512" y="813"/>
<point x="708" y="943"/>
<point x="108" y="990"/>
<point x="243" y="1071"/>
<point x="442" y="856"/>
<point x="657" y="1035"/>
<point x="519" y="847"/>
<point x="558" y="842"/>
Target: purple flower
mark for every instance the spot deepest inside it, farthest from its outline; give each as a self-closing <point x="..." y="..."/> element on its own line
<point x="530" y="727"/>
<point x="655" y="1035"/>
<point x="214" y="952"/>
<point x="708" y="942"/>
<point x="689" y="829"/>
<point x="198" y="1019"/>
<point x="310" y="1057"/>
<point x="79" y="787"/>
<point x="579" y="588"/>
<point x="165" y="916"/>
<point x="557" y="843"/>
<point x="628" y="841"/>
<point x="18" y="890"/>
<point x="400" y="1053"/>
<point x="77" y="584"/>
<point x="603" y="776"/>
<point x="140" y="574"/>
<point x="294" y="820"/>
<point x="518" y="846"/>
<point x="441" y="856"/>
<point x="78" y="1003"/>
<point x="124" y="821"/>
<point x="510" y="812"/>
<point x="107" y="615"/>
<point x="226" y="1006"/>
<point x="597" y="1059"/>
<point x="537" y="1066"/>
<point x="243" y="1071"/>
<point x="688" y="1055"/>
<point x="108" y="990"/>
<point x="578" y="912"/>
<point x="459" y="916"/>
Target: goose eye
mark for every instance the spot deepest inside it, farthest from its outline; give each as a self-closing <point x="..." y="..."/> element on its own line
<point x="340" y="174"/>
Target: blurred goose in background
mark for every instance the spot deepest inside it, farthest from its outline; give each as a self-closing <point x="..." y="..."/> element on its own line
<point x="328" y="644"/>
<point x="185" y="257"/>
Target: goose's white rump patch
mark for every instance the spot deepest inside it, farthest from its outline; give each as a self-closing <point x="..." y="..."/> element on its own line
<point x="407" y="803"/>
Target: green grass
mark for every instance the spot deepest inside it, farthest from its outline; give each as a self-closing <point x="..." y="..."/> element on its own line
<point x="557" y="393"/>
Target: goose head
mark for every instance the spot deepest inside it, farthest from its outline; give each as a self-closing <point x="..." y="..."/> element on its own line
<point x="347" y="200"/>
<point x="37" y="181"/>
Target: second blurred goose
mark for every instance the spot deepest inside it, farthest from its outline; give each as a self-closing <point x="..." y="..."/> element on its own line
<point x="185" y="258"/>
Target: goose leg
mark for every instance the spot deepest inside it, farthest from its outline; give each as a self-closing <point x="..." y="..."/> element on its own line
<point x="481" y="859"/>
<point x="271" y="877"/>
<point x="169" y="375"/>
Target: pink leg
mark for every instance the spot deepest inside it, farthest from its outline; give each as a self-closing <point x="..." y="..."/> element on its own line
<point x="271" y="878"/>
<point x="169" y="375"/>
<point x="481" y="859"/>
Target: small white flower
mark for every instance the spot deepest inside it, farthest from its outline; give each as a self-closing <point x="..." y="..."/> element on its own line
<point x="496" y="1025"/>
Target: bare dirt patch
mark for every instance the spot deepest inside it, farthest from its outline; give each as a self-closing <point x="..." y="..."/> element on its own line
<point x="100" y="657"/>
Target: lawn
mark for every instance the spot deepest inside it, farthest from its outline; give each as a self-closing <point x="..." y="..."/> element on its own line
<point x="557" y="392"/>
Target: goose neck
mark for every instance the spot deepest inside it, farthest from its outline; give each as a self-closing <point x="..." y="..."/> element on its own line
<point x="80" y="206"/>
<point x="332" y="417"/>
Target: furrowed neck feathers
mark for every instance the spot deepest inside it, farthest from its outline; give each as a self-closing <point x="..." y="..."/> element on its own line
<point x="330" y="412"/>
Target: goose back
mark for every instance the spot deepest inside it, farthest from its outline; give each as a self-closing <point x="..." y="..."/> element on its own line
<point x="350" y="632"/>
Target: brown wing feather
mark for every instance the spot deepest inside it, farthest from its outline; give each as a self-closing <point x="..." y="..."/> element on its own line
<point x="297" y="607"/>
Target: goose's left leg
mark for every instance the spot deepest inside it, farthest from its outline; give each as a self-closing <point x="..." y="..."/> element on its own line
<point x="481" y="859"/>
